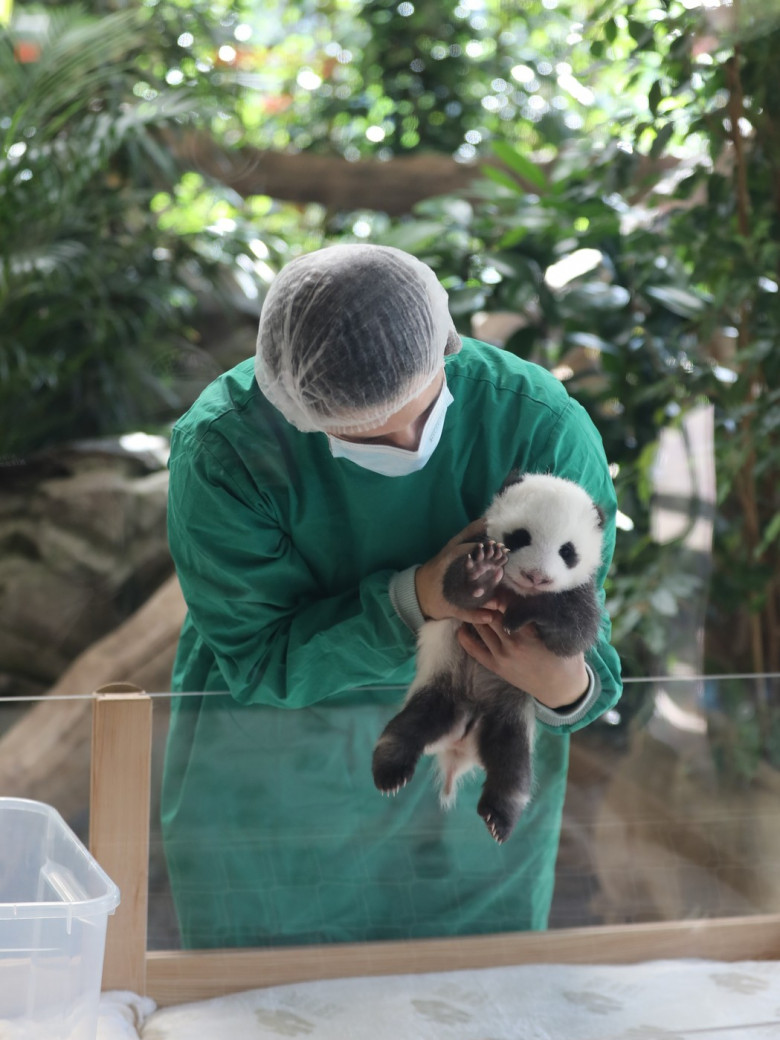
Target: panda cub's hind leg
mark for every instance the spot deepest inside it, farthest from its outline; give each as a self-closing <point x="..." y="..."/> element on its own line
<point x="429" y="714"/>
<point x="505" y="749"/>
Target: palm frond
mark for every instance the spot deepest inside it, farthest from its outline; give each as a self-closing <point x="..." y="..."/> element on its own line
<point x="93" y="292"/>
<point x="79" y="59"/>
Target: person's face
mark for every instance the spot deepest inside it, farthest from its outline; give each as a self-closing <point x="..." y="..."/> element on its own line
<point x="404" y="428"/>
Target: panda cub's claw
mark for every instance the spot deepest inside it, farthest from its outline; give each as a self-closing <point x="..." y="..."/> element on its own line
<point x="499" y="817"/>
<point x="493" y="828"/>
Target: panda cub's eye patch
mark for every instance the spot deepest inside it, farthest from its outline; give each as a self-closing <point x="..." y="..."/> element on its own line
<point x="517" y="539"/>
<point x="569" y="555"/>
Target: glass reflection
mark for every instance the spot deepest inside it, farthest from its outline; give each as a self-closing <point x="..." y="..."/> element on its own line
<point x="671" y="813"/>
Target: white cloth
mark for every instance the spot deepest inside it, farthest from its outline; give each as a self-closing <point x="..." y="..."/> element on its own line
<point x="656" y="1000"/>
<point x="122" y="1014"/>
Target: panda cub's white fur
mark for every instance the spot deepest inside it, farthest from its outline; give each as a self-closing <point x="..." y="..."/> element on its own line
<point x="542" y="550"/>
<point x="556" y="512"/>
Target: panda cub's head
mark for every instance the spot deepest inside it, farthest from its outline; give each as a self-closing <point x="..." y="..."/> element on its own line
<point x="552" y="529"/>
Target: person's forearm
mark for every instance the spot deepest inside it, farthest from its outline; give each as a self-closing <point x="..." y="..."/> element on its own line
<point x="328" y="646"/>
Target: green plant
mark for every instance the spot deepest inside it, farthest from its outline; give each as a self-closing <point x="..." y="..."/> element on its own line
<point x="730" y="242"/>
<point x="384" y="78"/>
<point x="96" y="299"/>
<point x="674" y="305"/>
<point x="611" y="331"/>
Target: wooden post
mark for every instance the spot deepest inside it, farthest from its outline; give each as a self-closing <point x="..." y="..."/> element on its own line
<point x="120" y="787"/>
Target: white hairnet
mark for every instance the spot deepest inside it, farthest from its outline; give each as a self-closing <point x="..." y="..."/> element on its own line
<point x="350" y="334"/>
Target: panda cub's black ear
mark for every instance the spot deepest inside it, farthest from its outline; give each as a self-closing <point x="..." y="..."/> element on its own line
<point x="516" y="476"/>
<point x="600" y="514"/>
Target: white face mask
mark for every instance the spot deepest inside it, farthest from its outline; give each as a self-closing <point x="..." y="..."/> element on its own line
<point x="389" y="460"/>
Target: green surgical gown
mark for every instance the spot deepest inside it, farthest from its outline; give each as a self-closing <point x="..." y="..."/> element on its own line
<point x="292" y="659"/>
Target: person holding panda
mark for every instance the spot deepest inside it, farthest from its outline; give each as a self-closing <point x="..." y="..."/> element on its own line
<point x="319" y="493"/>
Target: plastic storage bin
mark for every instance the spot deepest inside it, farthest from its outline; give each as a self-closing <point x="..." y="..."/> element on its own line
<point x="54" y="907"/>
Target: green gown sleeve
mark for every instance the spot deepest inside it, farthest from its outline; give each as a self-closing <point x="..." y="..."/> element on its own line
<point x="254" y="602"/>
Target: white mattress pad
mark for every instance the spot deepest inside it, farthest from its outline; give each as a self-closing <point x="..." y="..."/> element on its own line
<point x="656" y="1000"/>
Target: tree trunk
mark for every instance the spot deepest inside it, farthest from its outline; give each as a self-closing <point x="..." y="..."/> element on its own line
<point x="392" y="187"/>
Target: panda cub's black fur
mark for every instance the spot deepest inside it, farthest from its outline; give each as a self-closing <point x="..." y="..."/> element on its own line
<point x="542" y="548"/>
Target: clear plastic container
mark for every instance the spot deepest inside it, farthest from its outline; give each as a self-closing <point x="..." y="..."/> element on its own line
<point x="54" y="907"/>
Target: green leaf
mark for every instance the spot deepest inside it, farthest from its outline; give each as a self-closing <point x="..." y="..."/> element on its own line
<point x="678" y="301"/>
<point x="513" y="265"/>
<point x="687" y="185"/>
<point x="654" y="97"/>
<point x="662" y="138"/>
<point x="771" y="534"/>
<point x="522" y="166"/>
<point x="513" y="237"/>
<point x="503" y="178"/>
<point x="445" y="207"/>
<point x="412" y="235"/>
<point x="522" y="341"/>
<point x="595" y="296"/>
<point x="641" y="33"/>
<point x="589" y="341"/>
<point x="466" y="301"/>
<point x="664" y="602"/>
<point x="628" y="621"/>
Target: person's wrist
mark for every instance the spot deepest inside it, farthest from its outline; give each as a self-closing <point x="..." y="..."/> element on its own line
<point x="421" y="590"/>
<point x="566" y="707"/>
<point x="581" y="687"/>
<point x="572" y="690"/>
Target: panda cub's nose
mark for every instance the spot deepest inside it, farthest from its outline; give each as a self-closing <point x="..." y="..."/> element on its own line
<point x="536" y="577"/>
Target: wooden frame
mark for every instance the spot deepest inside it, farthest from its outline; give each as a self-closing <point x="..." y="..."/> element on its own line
<point x="119" y="840"/>
<point x="119" y="796"/>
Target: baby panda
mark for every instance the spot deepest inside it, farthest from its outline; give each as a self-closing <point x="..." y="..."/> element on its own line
<point x="540" y="553"/>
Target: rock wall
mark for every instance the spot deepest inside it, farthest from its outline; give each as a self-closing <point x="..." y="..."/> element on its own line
<point x="82" y="545"/>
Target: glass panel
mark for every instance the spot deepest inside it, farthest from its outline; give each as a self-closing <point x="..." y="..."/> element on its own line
<point x="45" y="754"/>
<point x="275" y="835"/>
<point x="672" y="807"/>
<point x="279" y="836"/>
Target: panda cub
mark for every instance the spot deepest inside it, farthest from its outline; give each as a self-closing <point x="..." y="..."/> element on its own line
<point x="541" y="551"/>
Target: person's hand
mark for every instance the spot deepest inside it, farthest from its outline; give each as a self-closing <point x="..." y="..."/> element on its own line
<point x="522" y="660"/>
<point x="429" y="577"/>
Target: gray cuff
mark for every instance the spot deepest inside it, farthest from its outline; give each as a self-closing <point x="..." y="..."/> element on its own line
<point x="403" y="597"/>
<point x="573" y="712"/>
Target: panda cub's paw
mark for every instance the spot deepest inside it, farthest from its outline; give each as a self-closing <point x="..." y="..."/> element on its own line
<point x="500" y="815"/>
<point x="485" y="567"/>
<point x="393" y="765"/>
<point x="472" y="579"/>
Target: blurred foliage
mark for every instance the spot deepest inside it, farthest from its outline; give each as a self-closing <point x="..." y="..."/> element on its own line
<point x="93" y="298"/>
<point x="383" y="77"/>
<point x="743" y="730"/>
<point x="100" y="286"/>
<point x="603" y="308"/>
<point x="402" y="77"/>
<point x="649" y="309"/>
<point x="106" y="252"/>
<point x="633" y="239"/>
